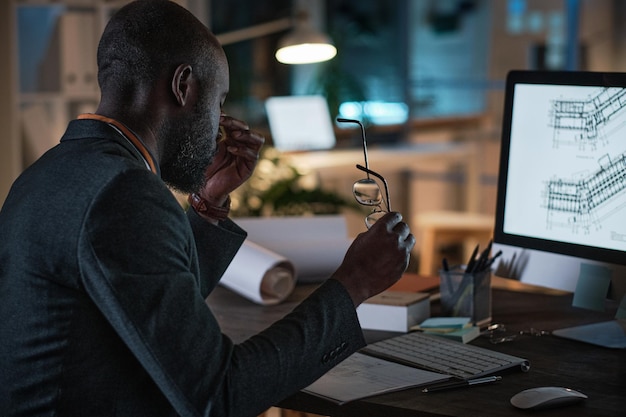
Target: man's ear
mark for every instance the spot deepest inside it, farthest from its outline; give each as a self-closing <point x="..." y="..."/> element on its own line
<point x="181" y="83"/>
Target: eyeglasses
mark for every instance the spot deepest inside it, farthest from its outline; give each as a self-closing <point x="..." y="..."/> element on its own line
<point x="497" y="333"/>
<point x="367" y="191"/>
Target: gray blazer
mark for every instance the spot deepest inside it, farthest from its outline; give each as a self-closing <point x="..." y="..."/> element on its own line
<point x="103" y="279"/>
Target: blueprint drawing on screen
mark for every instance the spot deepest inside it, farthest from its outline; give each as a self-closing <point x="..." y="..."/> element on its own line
<point x="570" y="185"/>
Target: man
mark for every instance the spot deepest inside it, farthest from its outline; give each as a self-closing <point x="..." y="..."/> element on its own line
<point x="103" y="276"/>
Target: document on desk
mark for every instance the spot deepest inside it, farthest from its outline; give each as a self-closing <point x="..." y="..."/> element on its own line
<point x="362" y="376"/>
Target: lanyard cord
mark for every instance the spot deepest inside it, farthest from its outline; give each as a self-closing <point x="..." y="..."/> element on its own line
<point x="128" y="134"/>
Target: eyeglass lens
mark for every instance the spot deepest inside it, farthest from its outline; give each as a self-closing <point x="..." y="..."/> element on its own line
<point x="367" y="192"/>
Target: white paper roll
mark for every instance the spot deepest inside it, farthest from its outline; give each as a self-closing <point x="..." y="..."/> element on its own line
<point x="260" y="275"/>
<point x="315" y="245"/>
<point x="314" y="260"/>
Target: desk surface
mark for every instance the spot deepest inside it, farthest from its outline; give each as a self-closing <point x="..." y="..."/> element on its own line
<point x="598" y="372"/>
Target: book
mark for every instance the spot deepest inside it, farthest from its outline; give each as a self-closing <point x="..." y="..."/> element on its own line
<point x="394" y="311"/>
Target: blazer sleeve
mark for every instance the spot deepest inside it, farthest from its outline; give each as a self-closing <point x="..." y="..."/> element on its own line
<point x="295" y="351"/>
<point x="216" y="246"/>
<point x="138" y="264"/>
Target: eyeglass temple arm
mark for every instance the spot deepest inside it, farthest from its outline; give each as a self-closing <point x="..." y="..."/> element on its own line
<point x="383" y="180"/>
<point x="342" y="120"/>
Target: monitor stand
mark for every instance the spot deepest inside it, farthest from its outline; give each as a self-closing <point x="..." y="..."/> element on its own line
<point x="610" y="334"/>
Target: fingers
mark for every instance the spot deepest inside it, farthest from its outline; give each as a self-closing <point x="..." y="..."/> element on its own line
<point x="388" y="221"/>
<point x="239" y="140"/>
<point x="244" y="139"/>
<point x="231" y="124"/>
<point x="380" y="254"/>
<point x="393" y="224"/>
<point x="404" y="233"/>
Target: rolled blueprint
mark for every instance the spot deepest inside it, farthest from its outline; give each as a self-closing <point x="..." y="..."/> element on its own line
<point x="260" y="275"/>
<point x="314" y="260"/>
<point x="315" y="245"/>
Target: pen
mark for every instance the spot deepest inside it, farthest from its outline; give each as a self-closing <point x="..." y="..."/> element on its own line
<point x="482" y="259"/>
<point x="472" y="260"/>
<point x="462" y="384"/>
<point x="491" y="261"/>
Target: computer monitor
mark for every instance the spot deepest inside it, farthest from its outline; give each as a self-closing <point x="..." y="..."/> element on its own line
<point x="561" y="202"/>
<point x="300" y="123"/>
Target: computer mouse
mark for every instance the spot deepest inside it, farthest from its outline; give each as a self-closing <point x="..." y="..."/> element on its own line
<point x="546" y="397"/>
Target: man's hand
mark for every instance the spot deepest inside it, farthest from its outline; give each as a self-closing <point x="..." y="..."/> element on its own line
<point x="237" y="155"/>
<point x="377" y="258"/>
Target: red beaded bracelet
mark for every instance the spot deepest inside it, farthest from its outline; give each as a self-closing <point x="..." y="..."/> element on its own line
<point x="204" y="209"/>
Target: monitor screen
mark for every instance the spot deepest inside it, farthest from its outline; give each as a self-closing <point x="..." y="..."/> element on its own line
<point x="300" y="123"/>
<point x="561" y="204"/>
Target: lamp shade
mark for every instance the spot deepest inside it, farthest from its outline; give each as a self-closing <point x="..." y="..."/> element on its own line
<point x="305" y="45"/>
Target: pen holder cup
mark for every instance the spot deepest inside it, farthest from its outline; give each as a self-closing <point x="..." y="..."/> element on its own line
<point x="466" y="295"/>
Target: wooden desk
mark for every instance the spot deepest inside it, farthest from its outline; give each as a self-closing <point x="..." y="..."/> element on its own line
<point x="598" y="372"/>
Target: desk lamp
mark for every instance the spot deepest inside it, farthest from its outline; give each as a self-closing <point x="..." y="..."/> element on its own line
<point x="303" y="45"/>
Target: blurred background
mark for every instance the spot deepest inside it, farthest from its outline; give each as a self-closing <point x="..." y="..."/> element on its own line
<point x="415" y="72"/>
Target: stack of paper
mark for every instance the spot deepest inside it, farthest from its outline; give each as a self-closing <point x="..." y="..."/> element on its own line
<point x="361" y="376"/>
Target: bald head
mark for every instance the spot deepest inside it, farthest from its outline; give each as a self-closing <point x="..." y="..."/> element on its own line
<point x="148" y="39"/>
<point x="165" y="75"/>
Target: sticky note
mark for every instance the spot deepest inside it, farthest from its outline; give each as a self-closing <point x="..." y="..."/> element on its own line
<point x="447" y="322"/>
<point x="592" y="287"/>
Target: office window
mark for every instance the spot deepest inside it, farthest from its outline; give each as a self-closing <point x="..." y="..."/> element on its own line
<point x="367" y="78"/>
<point x="448" y="57"/>
<point x="408" y="59"/>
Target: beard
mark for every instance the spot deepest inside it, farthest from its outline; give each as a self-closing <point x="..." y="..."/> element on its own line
<point x="189" y="149"/>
